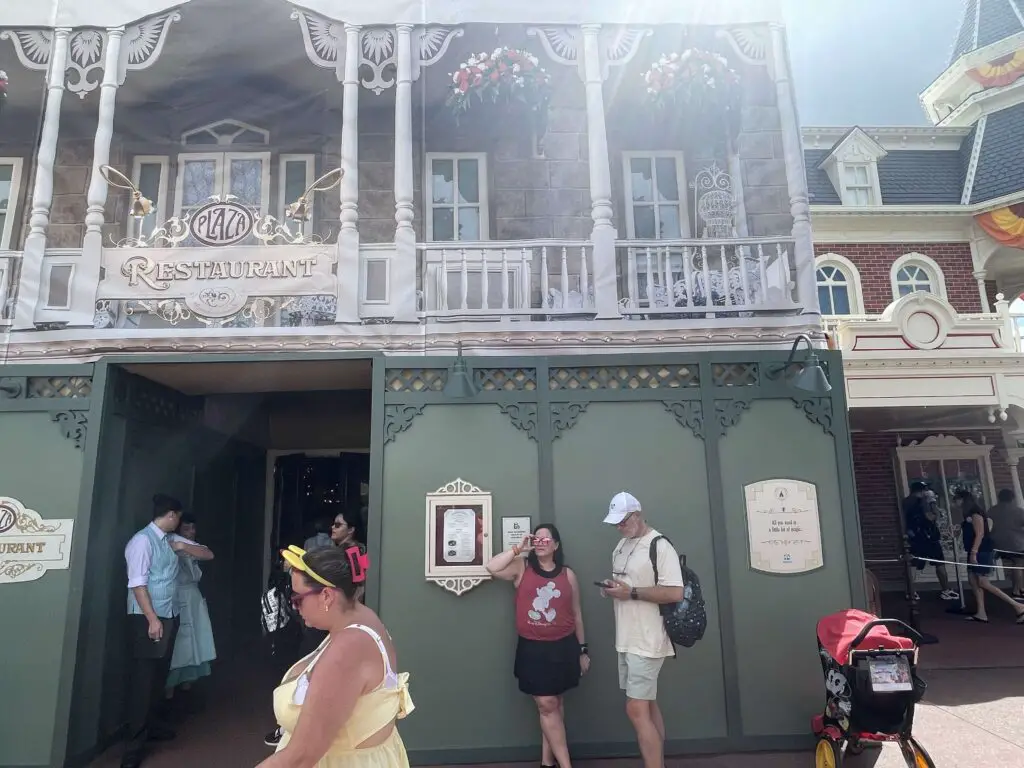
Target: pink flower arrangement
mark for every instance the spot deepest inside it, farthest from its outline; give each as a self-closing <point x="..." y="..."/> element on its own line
<point x="699" y="82"/>
<point x="505" y="74"/>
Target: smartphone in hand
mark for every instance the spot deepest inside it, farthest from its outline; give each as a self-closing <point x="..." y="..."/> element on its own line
<point x="602" y="584"/>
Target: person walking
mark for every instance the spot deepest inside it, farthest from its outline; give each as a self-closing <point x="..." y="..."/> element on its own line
<point x="976" y="528"/>
<point x="152" y="565"/>
<point x="921" y="514"/>
<point x="194" y="647"/>
<point x="282" y="631"/>
<point x="551" y="652"/>
<point x="641" y="641"/>
<point x="339" y="705"/>
<point x="1008" y="537"/>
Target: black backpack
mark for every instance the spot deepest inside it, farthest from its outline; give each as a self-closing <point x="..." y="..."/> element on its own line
<point x="687" y="620"/>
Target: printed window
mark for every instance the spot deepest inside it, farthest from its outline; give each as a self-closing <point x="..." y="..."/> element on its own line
<point x="655" y="196"/>
<point x="244" y="175"/>
<point x="294" y="177"/>
<point x="834" y="290"/>
<point x="859" y="184"/>
<point x="456" y="197"/>
<point x="149" y="173"/>
<point x="10" y="181"/>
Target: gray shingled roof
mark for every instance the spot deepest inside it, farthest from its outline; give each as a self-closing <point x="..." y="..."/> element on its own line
<point x="996" y="21"/>
<point x="819" y="185"/>
<point x="920" y="177"/>
<point x="1001" y="164"/>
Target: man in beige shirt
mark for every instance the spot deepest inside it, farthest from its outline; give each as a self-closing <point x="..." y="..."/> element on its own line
<point x="640" y="638"/>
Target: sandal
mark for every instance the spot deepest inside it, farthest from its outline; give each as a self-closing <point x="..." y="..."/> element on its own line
<point x="985" y="621"/>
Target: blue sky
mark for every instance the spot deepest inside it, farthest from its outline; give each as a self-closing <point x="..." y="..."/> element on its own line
<point x="866" y="61"/>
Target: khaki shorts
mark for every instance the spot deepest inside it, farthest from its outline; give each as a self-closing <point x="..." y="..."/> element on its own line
<point x="638" y="676"/>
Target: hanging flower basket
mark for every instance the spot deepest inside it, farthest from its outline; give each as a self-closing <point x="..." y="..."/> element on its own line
<point x="699" y="88"/>
<point x="506" y="75"/>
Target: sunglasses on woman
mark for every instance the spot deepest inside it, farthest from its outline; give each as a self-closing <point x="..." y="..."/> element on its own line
<point x="297" y="598"/>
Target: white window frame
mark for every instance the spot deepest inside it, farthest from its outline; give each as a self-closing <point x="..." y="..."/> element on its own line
<point x="852" y="274"/>
<point x="928" y="264"/>
<point x="52" y="264"/>
<point x="627" y="185"/>
<point x="870" y="185"/>
<point x="282" y="203"/>
<point x="7" y="233"/>
<point x="161" y="203"/>
<point x="222" y="160"/>
<point x="428" y="193"/>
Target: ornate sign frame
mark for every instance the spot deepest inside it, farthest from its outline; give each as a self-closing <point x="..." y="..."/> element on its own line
<point x="29" y="545"/>
<point x="783" y="527"/>
<point x="445" y="509"/>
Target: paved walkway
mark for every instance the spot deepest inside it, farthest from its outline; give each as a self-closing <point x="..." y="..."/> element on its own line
<point x="972" y="715"/>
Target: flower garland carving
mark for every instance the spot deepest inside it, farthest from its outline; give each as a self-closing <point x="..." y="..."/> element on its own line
<point x="564" y="416"/>
<point x="689" y="414"/>
<point x="818" y="410"/>
<point x="73" y="425"/>
<point x="728" y="412"/>
<point x="523" y="416"/>
<point x="398" y="418"/>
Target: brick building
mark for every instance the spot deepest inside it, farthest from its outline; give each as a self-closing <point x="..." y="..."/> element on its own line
<point x="919" y="234"/>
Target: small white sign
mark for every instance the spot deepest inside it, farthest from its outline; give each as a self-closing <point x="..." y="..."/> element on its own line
<point x="783" y="526"/>
<point x="221" y="223"/>
<point x="513" y="530"/>
<point x="29" y="545"/>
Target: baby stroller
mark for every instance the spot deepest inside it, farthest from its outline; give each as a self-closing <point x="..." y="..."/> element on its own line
<point x="871" y="687"/>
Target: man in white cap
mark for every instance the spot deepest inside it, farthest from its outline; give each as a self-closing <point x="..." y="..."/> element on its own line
<point x="640" y="638"/>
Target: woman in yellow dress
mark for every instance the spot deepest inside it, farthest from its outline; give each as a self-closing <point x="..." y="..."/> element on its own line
<point x="338" y="706"/>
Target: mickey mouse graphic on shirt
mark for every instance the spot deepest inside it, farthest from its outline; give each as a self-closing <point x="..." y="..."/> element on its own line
<point x="541" y="602"/>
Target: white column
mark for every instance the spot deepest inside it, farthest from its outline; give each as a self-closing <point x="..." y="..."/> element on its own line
<point x="980" y="277"/>
<point x="603" y="235"/>
<point x="87" y="276"/>
<point x="796" y="178"/>
<point x="403" y="267"/>
<point x="349" y="273"/>
<point x="42" y="193"/>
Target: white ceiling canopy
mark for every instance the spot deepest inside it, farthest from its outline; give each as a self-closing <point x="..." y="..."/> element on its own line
<point x="113" y="13"/>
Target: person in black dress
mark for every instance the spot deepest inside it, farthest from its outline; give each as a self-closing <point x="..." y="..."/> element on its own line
<point x="977" y="529"/>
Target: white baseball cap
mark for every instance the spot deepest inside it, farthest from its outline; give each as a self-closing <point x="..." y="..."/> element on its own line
<point x="622" y="505"/>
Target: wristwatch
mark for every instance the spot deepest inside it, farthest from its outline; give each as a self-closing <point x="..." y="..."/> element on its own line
<point x="633" y="594"/>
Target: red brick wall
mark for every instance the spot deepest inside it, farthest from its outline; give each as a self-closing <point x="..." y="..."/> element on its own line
<point x="879" y="491"/>
<point x="874" y="260"/>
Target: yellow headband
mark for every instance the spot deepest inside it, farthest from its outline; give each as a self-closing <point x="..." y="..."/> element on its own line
<point x="296" y="558"/>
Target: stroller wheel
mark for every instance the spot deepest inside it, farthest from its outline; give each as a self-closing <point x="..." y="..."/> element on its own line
<point x="828" y="754"/>
<point x="915" y="755"/>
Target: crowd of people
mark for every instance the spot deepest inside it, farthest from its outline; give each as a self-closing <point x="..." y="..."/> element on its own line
<point x="338" y="705"/>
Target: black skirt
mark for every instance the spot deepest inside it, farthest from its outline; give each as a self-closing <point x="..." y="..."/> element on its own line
<point x="548" y="667"/>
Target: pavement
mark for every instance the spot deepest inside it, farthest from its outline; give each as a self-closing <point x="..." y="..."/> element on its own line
<point x="972" y="714"/>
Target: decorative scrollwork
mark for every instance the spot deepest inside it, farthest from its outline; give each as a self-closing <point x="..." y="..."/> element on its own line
<point x="564" y="416"/>
<point x="12" y="569"/>
<point x="29" y="523"/>
<point x="689" y="414"/>
<point x="457" y="585"/>
<point x="523" y="416"/>
<point x="714" y="201"/>
<point x="457" y="487"/>
<point x="728" y="412"/>
<point x="73" y="425"/>
<point x="398" y="418"/>
<point x="818" y="410"/>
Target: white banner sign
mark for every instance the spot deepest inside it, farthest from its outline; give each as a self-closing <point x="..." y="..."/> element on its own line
<point x="29" y="545"/>
<point x="217" y="282"/>
<point x="784" y="527"/>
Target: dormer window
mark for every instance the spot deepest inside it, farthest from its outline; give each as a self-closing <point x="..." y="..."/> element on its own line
<point x="857" y="186"/>
<point x="852" y="167"/>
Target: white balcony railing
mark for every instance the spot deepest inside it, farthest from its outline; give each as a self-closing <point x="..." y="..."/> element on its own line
<point x="505" y="279"/>
<point x="706" y="277"/>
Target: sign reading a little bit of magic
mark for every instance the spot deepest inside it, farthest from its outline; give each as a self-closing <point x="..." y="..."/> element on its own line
<point x="29" y="545"/>
<point x="784" y="527"/>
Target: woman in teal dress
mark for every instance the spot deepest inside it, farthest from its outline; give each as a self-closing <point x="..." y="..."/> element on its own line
<point x="193" y="647"/>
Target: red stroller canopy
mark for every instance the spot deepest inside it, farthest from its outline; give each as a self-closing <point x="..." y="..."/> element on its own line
<point x="837" y="631"/>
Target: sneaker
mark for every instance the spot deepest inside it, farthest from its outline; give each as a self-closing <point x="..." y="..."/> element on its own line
<point x="949" y="594"/>
<point x="273" y="738"/>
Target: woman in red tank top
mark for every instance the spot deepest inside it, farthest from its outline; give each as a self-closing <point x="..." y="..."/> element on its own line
<point x="551" y="653"/>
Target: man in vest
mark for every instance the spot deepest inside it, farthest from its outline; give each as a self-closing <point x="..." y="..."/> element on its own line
<point x="152" y="624"/>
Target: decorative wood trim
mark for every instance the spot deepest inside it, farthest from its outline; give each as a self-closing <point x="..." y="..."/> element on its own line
<point x="74" y="425"/>
<point x="818" y="410"/>
<point x="523" y="416"/>
<point x="689" y="414"/>
<point x="398" y="418"/>
<point x="728" y="412"/>
<point x="564" y="417"/>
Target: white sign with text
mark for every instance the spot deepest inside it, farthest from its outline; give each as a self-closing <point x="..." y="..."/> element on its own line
<point x="513" y="530"/>
<point x="783" y="526"/>
<point x="29" y="545"/>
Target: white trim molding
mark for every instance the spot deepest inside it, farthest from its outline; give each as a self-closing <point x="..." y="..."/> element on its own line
<point x="682" y="197"/>
<point x="483" y="193"/>
<point x="930" y="266"/>
<point x="849" y="269"/>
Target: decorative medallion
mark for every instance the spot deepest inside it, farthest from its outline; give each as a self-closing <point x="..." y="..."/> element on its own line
<point x="73" y="425"/>
<point x="398" y="418"/>
<point x="689" y="414"/>
<point x="523" y="416"/>
<point x="564" y="416"/>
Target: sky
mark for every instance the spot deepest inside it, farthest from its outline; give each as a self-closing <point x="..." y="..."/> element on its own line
<point x="865" y="61"/>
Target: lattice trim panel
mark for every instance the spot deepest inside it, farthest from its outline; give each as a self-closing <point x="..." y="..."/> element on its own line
<point x="45" y="387"/>
<point x="734" y="374"/>
<point x="506" y="379"/>
<point x="416" y="379"/>
<point x="631" y="377"/>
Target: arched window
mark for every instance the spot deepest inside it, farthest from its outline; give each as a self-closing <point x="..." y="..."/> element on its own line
<point x="915" y="273"/>
<point x="838" y="285"/>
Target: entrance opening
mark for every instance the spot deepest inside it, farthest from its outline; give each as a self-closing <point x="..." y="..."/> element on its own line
<point x="263" y="454"/>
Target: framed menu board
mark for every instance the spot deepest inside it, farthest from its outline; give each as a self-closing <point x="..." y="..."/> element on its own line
<point x="458" y="536"/>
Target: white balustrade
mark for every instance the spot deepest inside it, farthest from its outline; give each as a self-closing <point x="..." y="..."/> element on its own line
<point x="706" y="277"/>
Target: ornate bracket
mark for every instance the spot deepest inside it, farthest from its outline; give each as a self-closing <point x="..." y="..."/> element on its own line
<point x="728" y="412"/>
<point x="689" y="414"/>
<point x="140" y="48"/>
<point x="377" y="52"/>
<point x="818" y="410"/>
<point x="523" y="416"/>
<point x="564" y="45"/>
<point x="751" y="44"/>
<point x="73" y="425"/>
<point x="398" y="418"/>
<point x="431" y="44"/>
<point x="564" y="416"/>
